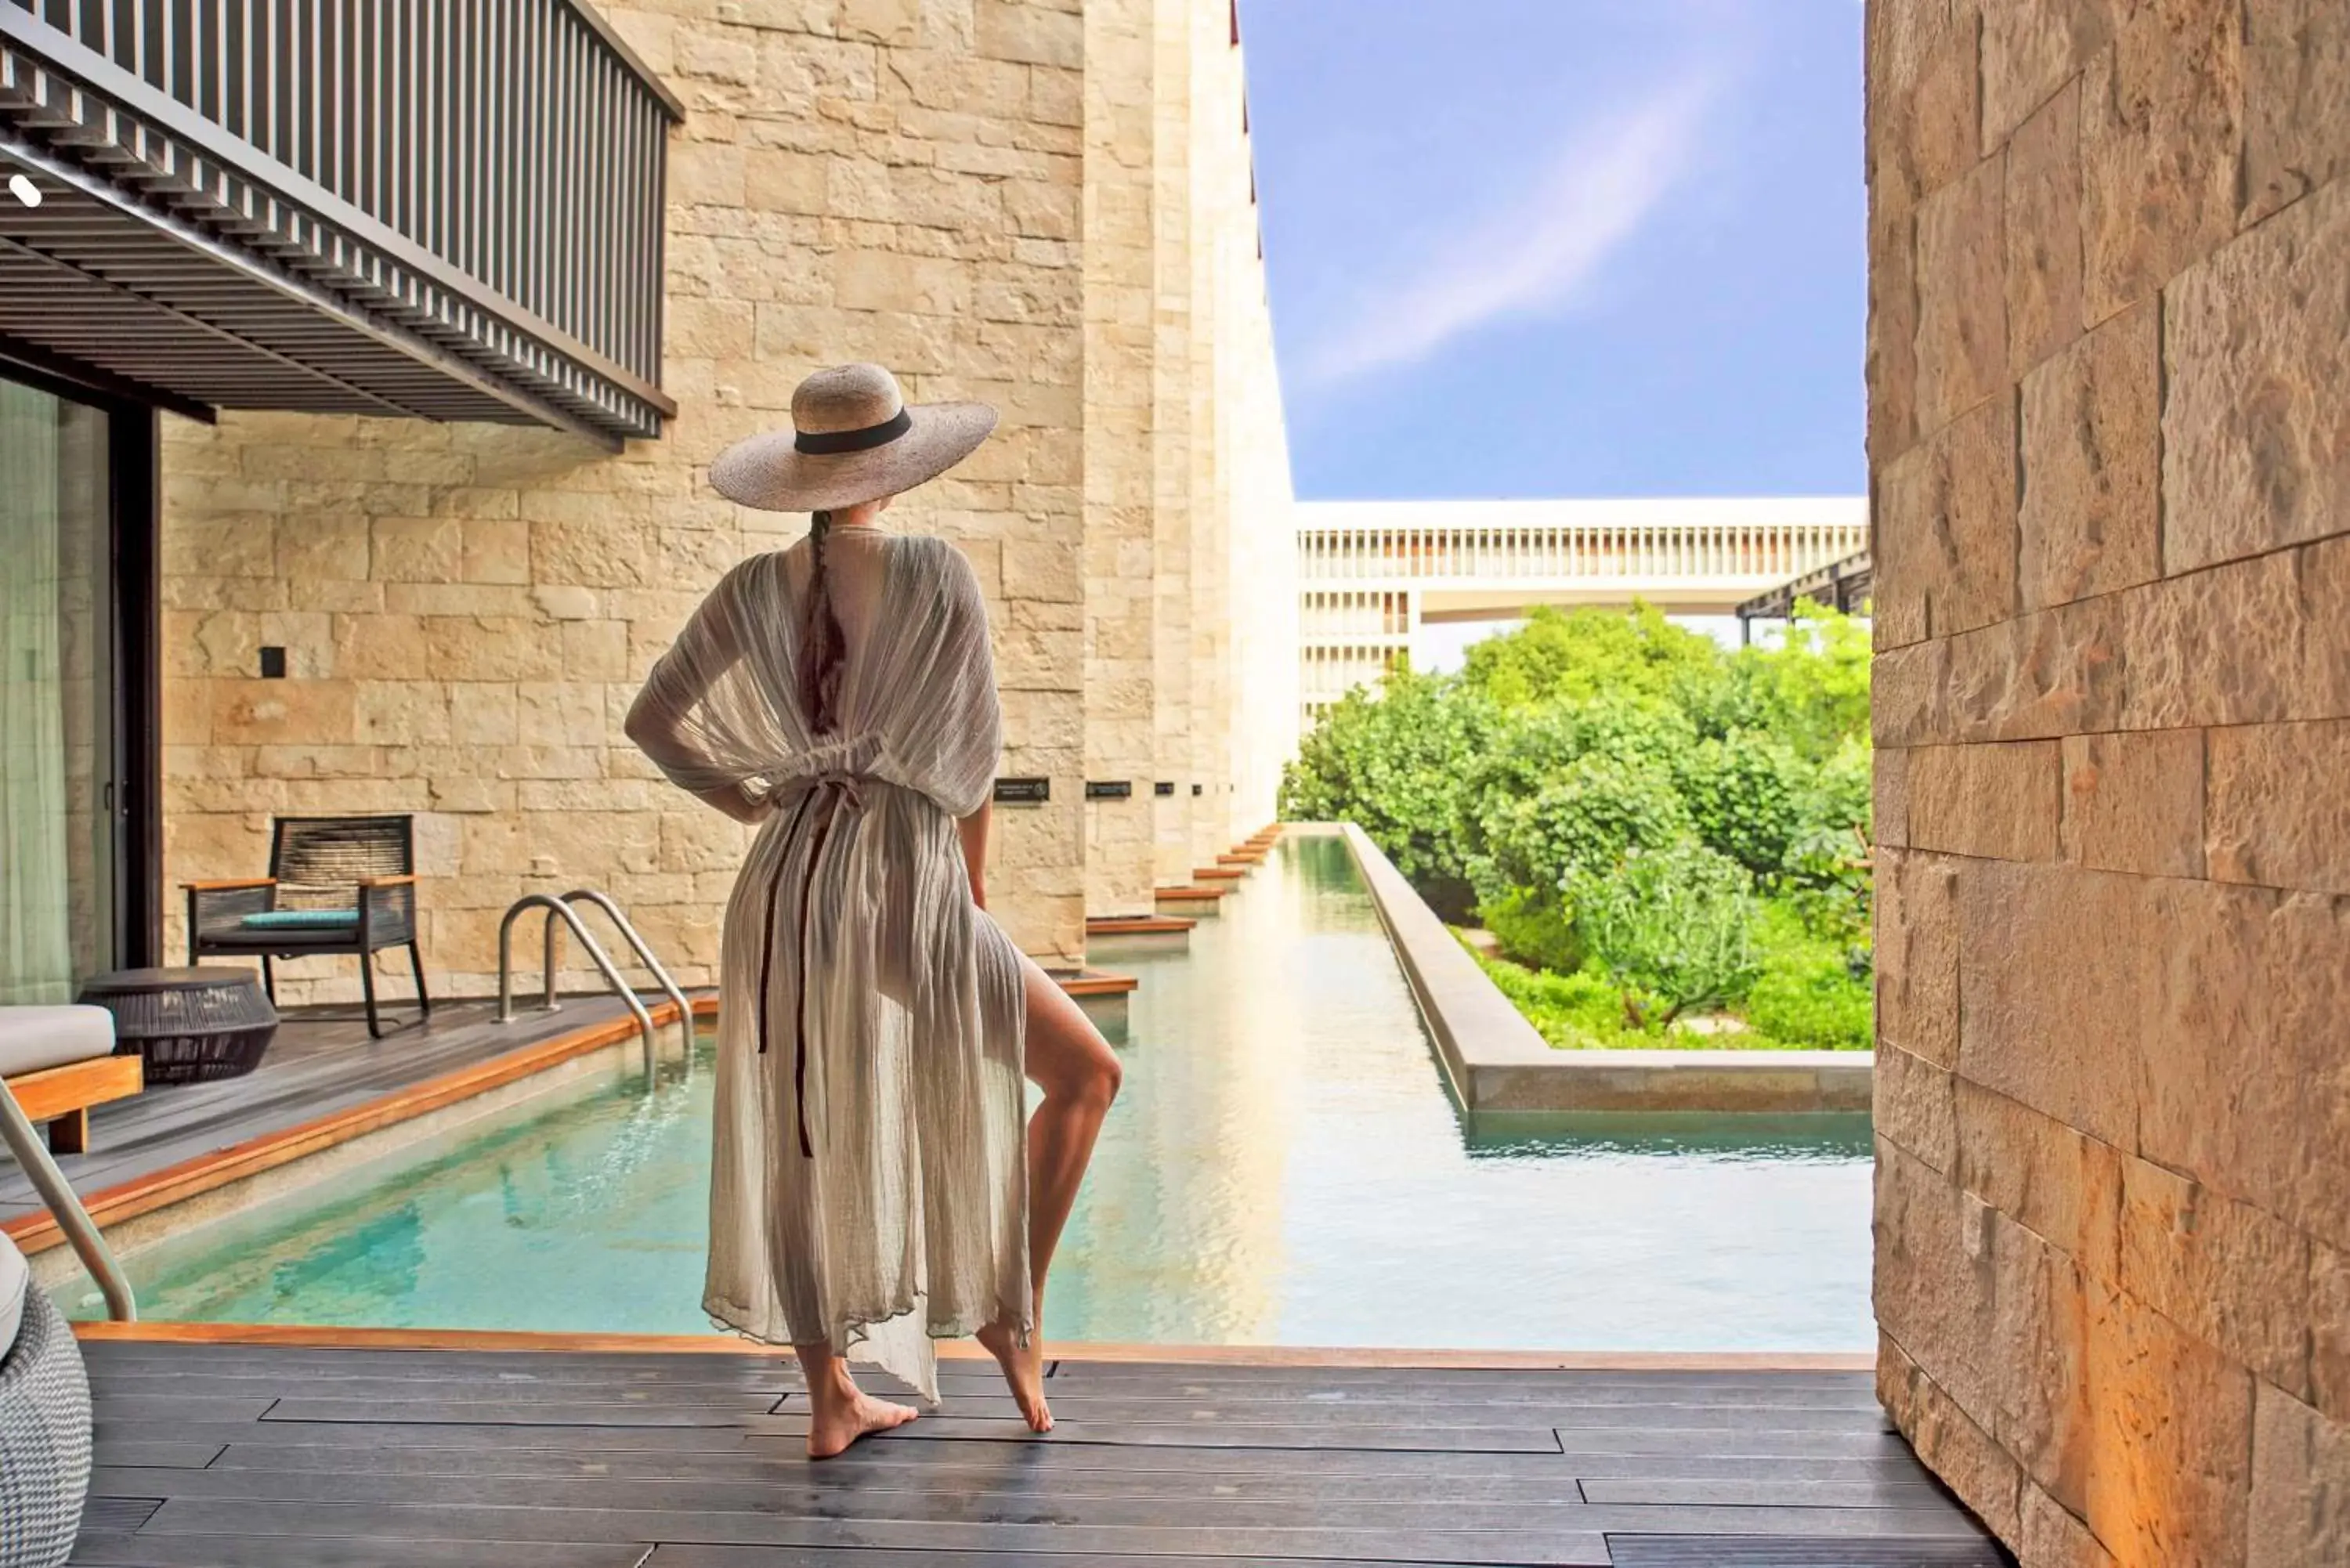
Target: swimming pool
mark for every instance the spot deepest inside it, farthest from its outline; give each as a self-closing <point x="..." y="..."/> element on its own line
<point x="1284" y="1167"/>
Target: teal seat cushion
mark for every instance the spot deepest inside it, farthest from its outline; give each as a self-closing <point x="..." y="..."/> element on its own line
<point x="301" y="920"/>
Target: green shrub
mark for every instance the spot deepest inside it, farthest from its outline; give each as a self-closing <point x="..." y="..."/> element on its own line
<point x="1593" y="809"/>
<point x="1532" y="929"/>
<point x="1673" y="926"/>
<point x="1814" y="1001"/>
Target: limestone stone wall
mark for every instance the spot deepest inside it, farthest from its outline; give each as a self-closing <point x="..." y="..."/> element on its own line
<point x="2109" y="442"/>
<point x="467" y="610"/>
<point x="983" y="195"/>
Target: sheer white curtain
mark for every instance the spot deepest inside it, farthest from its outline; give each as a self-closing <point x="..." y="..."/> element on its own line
<point x="36" y="926"/>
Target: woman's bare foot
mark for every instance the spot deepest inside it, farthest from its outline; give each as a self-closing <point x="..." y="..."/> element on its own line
<point x="1024" y="1370"/>
<point x="839" y="1413"/>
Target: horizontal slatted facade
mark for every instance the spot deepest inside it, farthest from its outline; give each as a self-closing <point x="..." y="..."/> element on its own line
<point x="440" y="208"/>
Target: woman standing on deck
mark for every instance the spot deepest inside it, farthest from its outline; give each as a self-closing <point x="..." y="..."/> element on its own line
<point x="868" y="1192"/>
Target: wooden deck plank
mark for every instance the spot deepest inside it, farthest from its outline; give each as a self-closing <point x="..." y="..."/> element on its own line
<point x="810" y="1497"/>
<point x="274" y="1456"/>
<point x="150" y="1551"/>
<point x="376" y="1521"/>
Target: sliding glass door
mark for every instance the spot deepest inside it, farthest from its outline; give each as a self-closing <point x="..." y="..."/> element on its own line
<point x="58" y="810"/>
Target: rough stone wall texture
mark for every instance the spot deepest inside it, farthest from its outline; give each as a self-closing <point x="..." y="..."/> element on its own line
<point x="1121" y="607"/>
<point x="2109" y="440"/>
<point x="467" y="610"/>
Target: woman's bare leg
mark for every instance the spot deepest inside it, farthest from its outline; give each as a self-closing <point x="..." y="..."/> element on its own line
<point x="840" y="1412"/>
<point x="1069" y="1060"/>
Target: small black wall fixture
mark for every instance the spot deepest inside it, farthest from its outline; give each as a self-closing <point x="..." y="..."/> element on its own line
<point x="273" y="664"/>
<point x="1164" y="786"/>
<point x="1023" y="792"/>
<point x="1109" y="789"/>
<point x="1195" y="789"/>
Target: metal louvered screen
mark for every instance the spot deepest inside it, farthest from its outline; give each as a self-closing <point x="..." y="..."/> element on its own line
<point x="472" y="188"/>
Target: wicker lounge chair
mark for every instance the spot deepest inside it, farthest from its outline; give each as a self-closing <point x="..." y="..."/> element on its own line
<point x="335" y="885"/>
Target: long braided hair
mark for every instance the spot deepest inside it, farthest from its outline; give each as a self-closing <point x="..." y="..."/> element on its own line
<point x="824" y="647"/>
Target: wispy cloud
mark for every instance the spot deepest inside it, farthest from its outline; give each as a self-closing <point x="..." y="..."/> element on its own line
<point x="1537" y="253"/>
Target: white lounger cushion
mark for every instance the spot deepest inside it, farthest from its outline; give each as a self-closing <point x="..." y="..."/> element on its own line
<point x="14" y="1281"/>
<point x="32" y="1038"/>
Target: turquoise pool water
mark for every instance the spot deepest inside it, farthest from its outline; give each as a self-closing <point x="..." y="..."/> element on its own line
<point x="1284" y="1167"/>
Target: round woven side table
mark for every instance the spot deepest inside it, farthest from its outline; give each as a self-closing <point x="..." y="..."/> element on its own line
<point x="191" y="1025"/>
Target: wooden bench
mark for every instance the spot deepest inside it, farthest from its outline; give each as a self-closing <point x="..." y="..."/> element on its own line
<point x="58" y="1061"/>
<point x="62" y="1096"/>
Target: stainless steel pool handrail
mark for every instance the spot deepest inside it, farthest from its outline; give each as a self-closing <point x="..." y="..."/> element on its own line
<point x="627" y="993"/>
<point x="81" y="1230"/>
<point x="628" y="933"/>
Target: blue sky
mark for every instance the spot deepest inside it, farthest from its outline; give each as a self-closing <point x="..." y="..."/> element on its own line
<point x="1564" y="247"/>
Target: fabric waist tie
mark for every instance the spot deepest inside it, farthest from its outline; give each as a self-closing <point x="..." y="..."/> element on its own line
<point x="828" y="795"/>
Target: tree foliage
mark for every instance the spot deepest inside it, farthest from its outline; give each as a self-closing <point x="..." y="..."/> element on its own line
<point x="1623" y="800"/>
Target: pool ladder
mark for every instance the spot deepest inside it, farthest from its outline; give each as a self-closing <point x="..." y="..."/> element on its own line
<point x="560" y="909"/>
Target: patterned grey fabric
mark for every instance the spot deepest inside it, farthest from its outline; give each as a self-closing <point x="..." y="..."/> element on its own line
<point x="44" y="1440"/>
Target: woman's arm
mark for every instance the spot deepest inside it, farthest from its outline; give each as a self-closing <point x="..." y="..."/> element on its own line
<point x="973" y="832"/>
<point x="657" y="731"/>
<point x="705" y="650"/>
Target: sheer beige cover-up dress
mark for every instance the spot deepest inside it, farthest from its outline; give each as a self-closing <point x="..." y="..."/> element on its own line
<point x="868" y="1179"/>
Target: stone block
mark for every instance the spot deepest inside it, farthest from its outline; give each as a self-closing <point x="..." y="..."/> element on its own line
<point x="2054" y="966"/>
<point x="1889" y="797"/>
<point x="2053" y="1536"/>
<point x="2278" y="814"/>
<point x="1995" y="800"/>
<point x="417" y="549"/>
<point x="2168" y="1473"/>
<point x="1961" y="296"/>
<point x="2055" y="1181"/>
<point x="2030" y="55"/>
<point x="1913" y="1107"/>
<point x="2240" y="1049"/>
<point x="1967" y="1459"/>
<point x="2134" y="802"/>
<point x="1935" y="1282"/>
<point x="2329" y="1329"/>
<point x="2038" y="1357"/>
<point x="2288" y="651"/>
<point x="2256" y="416"/>
<point x="2231" y="1274"/>
<point x="1891" y="365"/>
<point x="1030" y="32"/>
<point x="2299" y="1511"/>
<point x="2042" y="226"/>
<point x="2161" y="146"/>
<point x="2090" y="514"/>
<point x="258" y="712"/>
<point x="2296" y="114"/>
<point x="1946" y="529"/>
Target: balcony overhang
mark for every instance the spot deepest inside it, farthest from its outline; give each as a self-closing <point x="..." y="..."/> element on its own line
<point x="175" y="257"/>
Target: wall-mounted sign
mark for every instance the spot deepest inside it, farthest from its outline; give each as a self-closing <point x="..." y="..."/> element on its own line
<point x="1023" y="792"/>
<point x="1109" y="789"/>
<point x="1195" y="789"/>
<point x="1164" y="786"/>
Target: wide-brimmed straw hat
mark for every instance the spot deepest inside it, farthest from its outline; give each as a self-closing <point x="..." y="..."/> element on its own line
<point x="854" y="438"/>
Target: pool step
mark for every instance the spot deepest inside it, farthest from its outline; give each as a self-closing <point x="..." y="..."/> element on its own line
<point x="1192" y="894"/>
<point x="1216" y="872"/>
<point x="1083" y="982"/>
<point x="1139" y="925"/>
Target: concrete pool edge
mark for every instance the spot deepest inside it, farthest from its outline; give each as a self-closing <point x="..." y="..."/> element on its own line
<point x="1496" y="1061"/>
<point x="263" y="1167"/>
<point x="1375" y="1358"/>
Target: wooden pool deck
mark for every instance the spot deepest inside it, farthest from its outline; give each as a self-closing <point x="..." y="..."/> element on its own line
<point x="284" y="1454"/>
<point x="322" y="1071"/>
